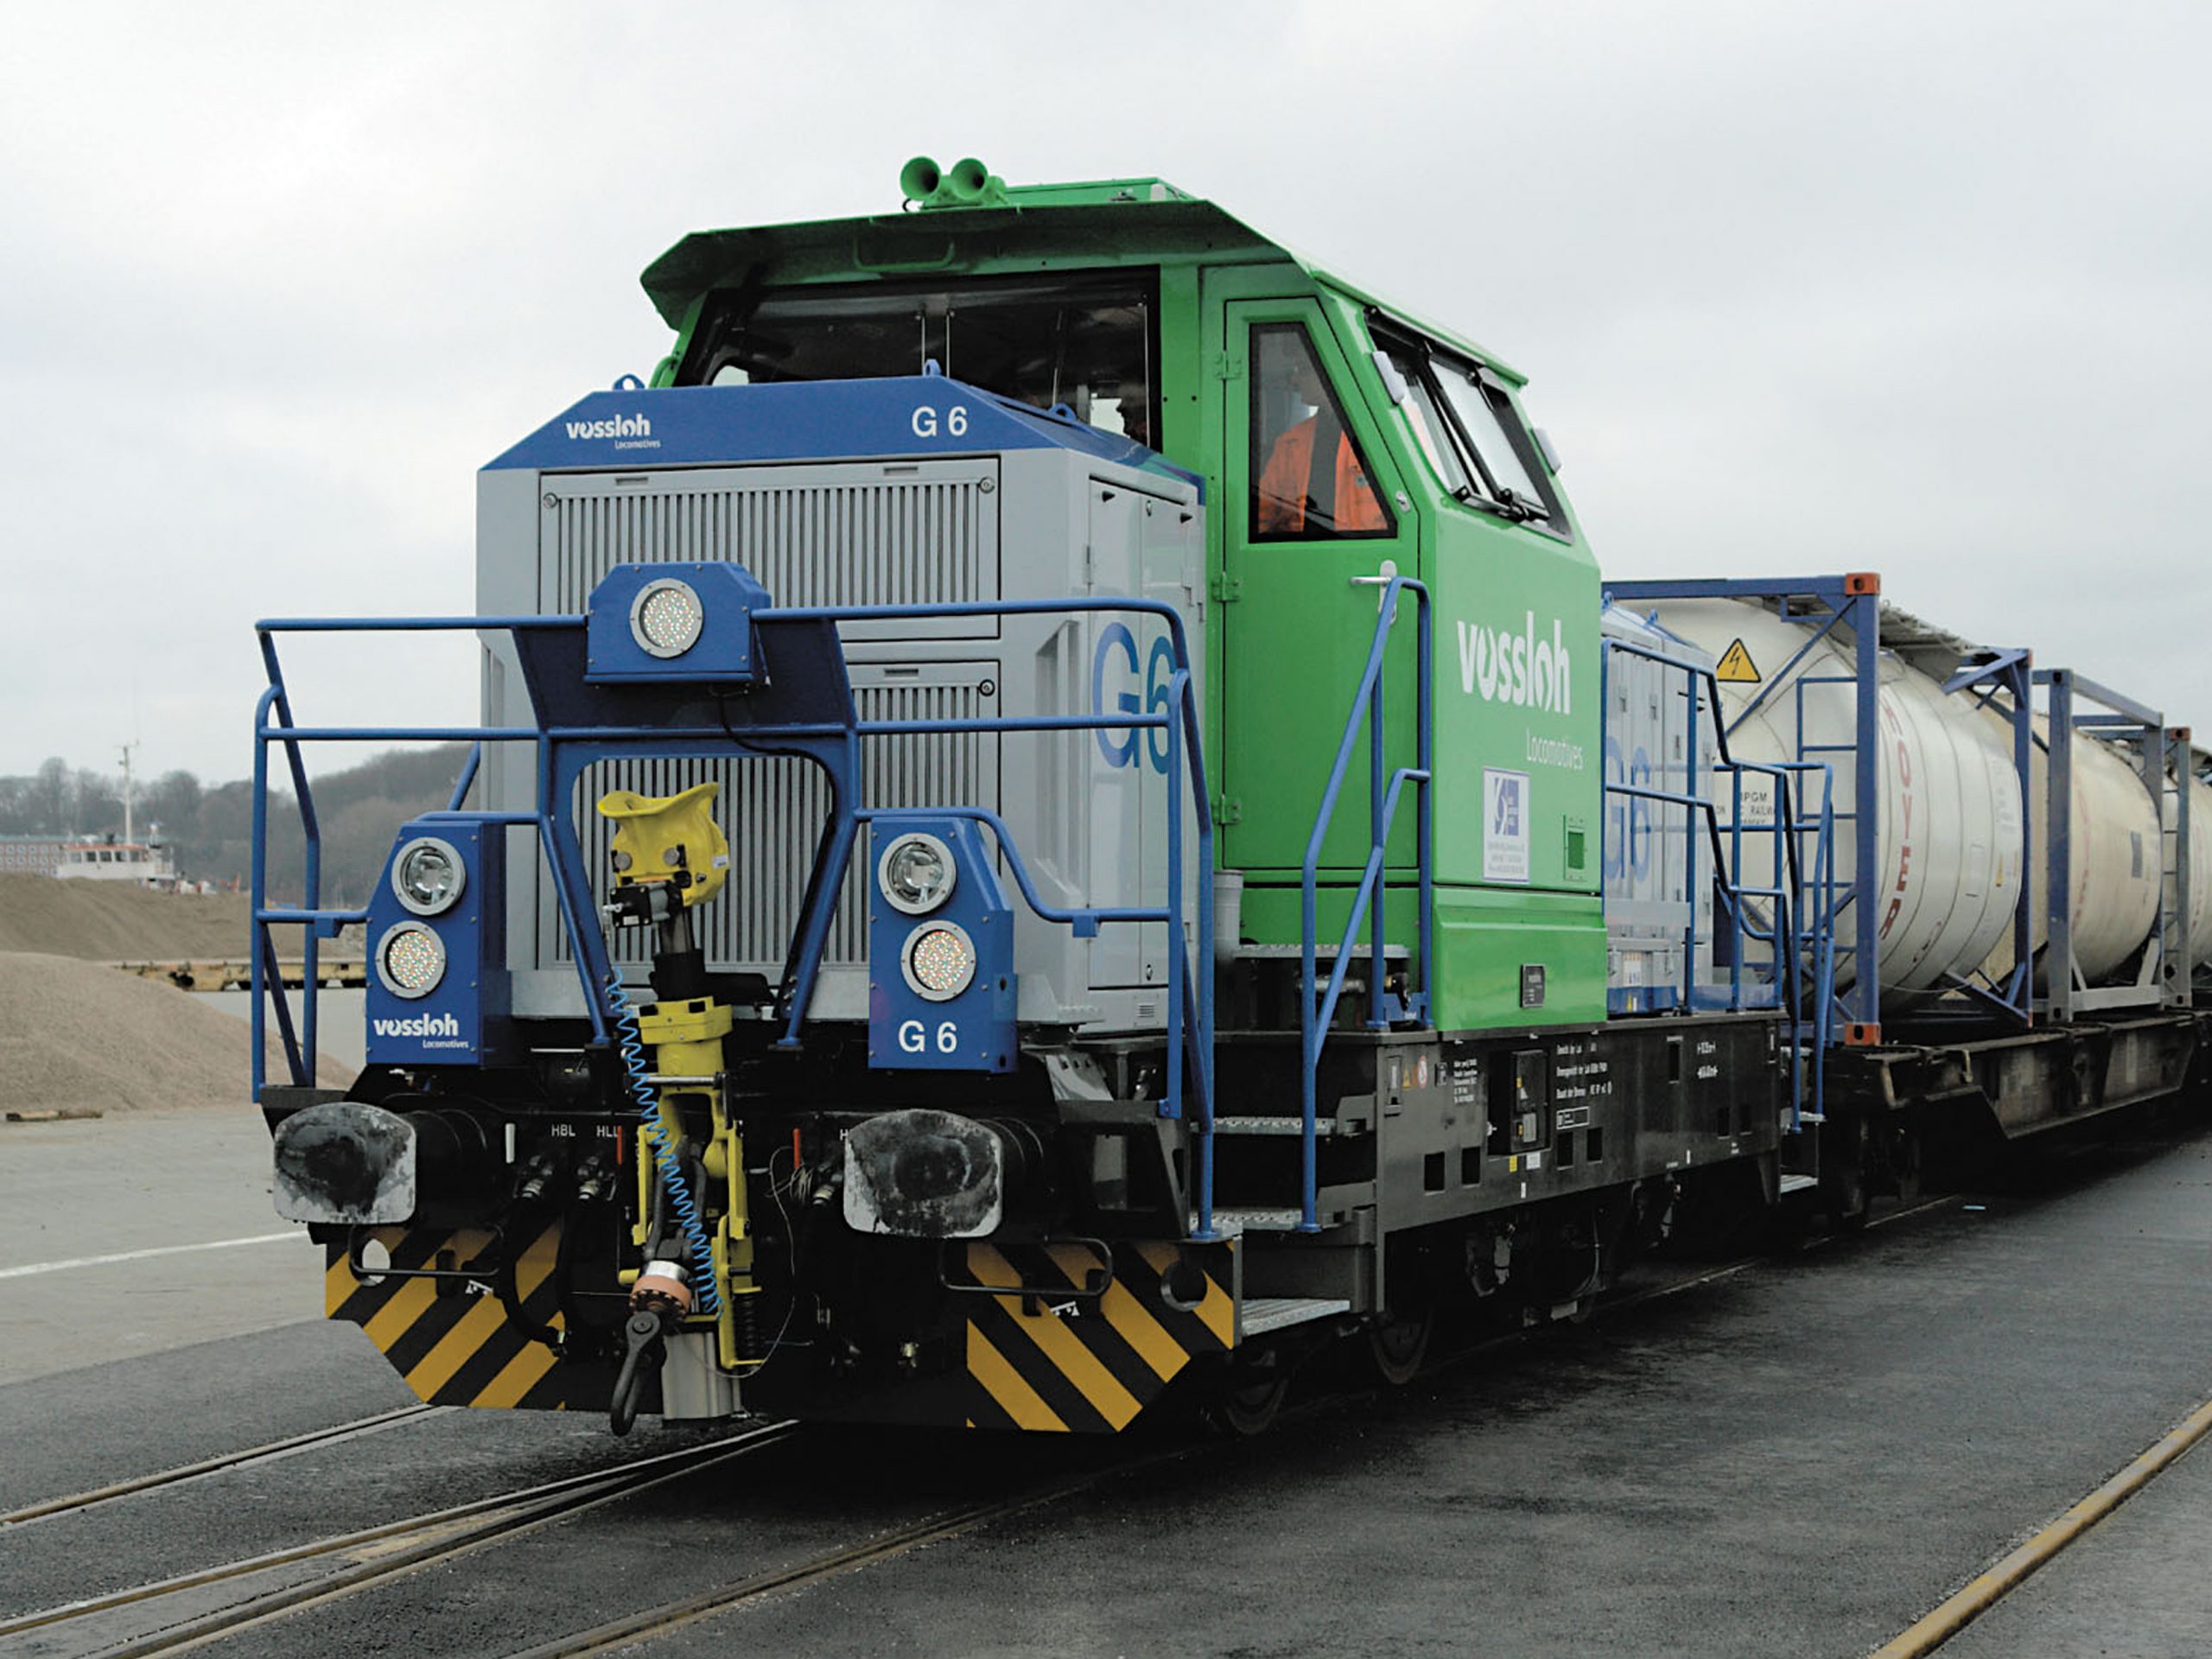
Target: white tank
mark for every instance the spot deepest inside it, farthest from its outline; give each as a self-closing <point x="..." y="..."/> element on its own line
<point x="1649" y="889"/>
<point x="2200" y="874"/>
<point x="1948" y="845"/>
<point x="2114" y="853"/>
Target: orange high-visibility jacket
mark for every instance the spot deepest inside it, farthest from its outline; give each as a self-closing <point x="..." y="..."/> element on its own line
<point x="1284" y="492"/>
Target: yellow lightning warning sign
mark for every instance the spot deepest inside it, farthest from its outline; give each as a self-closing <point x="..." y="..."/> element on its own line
<point x="1736" y="665"/>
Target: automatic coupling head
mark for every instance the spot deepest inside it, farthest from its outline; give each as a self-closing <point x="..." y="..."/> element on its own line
<point x="663" y="1287"/>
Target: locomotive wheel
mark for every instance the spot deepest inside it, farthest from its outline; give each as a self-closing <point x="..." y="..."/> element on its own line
<point x="1846" y="1181"/>
<point x="1244" y="1399"/>
<point x="1907" y="1161"/>
<point x="1399" y="1343"/>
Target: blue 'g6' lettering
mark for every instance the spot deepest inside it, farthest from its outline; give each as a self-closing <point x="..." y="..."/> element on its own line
<point x="1115" y="640"/>
<point x="1115" y="636"/>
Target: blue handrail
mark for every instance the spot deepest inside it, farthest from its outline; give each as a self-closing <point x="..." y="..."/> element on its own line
<point x="1382" y="808"/>
<point x="1191" y="984"/>
<point x="1801" y="934"/>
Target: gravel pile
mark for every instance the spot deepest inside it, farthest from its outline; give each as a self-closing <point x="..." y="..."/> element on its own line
<point x="77" y="1034"/>
<point x="113" y="921"/>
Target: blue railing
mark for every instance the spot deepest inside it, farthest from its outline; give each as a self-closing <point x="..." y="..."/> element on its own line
<point x="563" y="750"/>
<point x="1383" y="788"/>
<point x="1800" y="933"/>
<point x="1821" y="605"/>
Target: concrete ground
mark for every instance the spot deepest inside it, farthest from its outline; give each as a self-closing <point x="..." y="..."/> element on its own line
<point x="1800" y="1457"/>
<point x="2135" y="1587"/>
<point x="171" y="1194"/>
<point x="341" y="1034"/>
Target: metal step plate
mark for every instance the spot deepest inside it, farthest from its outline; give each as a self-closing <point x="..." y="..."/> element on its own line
<point x="1264" y="1314"/>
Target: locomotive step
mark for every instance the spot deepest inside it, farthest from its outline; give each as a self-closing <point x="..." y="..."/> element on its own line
<point x="1324" y="1127"/>
<point x="1261" y="1314"/>
<point x="1323" y="950"/>
<point x="1230" y="1222"/>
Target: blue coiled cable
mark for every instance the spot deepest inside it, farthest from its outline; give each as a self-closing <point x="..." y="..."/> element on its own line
<point x="631" y="1044"/>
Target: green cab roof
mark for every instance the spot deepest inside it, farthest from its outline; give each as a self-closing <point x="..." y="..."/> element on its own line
<point x="1106" y="221"/>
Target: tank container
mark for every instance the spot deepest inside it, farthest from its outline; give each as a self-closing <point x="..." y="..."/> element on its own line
<point x="1649" y="893"/>
<point x="1949" y="842"/>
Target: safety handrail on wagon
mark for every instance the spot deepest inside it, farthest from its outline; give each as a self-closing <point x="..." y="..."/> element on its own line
<point x="1802" y="925"/>
<point x="1315" y="1015"/>
<point x="1191" y="984"/>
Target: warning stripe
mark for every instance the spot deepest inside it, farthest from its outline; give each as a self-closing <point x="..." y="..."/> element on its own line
<point x="1095" y="1370"/>
<point x="1141" y="1332"/>
<point x="1216" y="1314"/>
<point x="454" y="1344"/>
<point x="1103" y="1392"/>
<point x="1132" y="1371"/>
<point x="519" y="1375"/>
<point x="508" y="1340"/>
<point x="1006" y="1386"/>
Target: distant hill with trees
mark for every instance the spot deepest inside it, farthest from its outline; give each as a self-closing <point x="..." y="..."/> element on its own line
<point x="209" y="829"/>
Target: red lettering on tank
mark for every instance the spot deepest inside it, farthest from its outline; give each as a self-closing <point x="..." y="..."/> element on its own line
<point x="1904" y="840"/>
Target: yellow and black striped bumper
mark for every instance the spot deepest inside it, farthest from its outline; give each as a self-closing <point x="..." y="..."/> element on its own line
<point x="1039" y="1359"/>
<point x="454" y="1342"/>
<point x="1039" y="1356"/>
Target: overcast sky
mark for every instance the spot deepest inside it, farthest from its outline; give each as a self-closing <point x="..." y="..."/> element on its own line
<point x="1919" y="288"/>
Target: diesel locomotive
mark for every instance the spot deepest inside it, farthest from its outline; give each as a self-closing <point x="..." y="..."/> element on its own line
<point x="1061" y="815"/>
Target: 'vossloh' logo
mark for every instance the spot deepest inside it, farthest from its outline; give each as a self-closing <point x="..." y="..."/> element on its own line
<point x="1521" y="668"/>
<point x="421" y="1025"/>
<point x="617" y="426"/>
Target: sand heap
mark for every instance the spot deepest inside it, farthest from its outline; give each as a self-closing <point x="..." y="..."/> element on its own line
<point x="78" y="1035"/>
<point x="114" y="921"/>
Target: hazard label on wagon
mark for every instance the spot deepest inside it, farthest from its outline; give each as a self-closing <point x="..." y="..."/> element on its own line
<point x="1736" y="665"/>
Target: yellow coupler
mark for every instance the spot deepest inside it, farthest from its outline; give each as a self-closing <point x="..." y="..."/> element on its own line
<point x="686" y="1038"/>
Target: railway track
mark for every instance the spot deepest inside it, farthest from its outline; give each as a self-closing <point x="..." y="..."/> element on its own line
<point x="949" y="1523"/>
<point x="674" y="1615"/>
<point x="174" y="1613"/>
<point x="223" y="1464"/>
<point x="181" y="1613"/>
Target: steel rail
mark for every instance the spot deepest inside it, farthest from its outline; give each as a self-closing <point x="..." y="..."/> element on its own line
<point x="1983" y="1592"/>
<point x="390" y="1550"/>
<point x="707" y="1604"/>
<point x="228" y="1460"/>
<point x="652" y="1622"/>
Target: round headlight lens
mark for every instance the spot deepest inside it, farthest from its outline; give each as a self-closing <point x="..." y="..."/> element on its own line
<point x="667" y="617"/>
<point x="940" y="961"/>
<point x="412" y="960"/>
<point x="917" y="874"/>
<point x="428" y="875"/>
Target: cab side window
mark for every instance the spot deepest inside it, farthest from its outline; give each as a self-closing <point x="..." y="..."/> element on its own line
<point x="1310" y="480"/>
<point x="1464" y="422"/>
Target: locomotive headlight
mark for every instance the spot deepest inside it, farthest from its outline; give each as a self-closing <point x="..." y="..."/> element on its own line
<point x="667" y="617"/>
<point x="428" y="875"/>
<point x="916" y="874"/>
<point x="411" y="960"/>
<point x="939" y="961"/>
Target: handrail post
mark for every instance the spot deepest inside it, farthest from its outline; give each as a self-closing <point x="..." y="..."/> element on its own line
<point x="1424" y="627"/>
<point x="1690" y="855"/>
<point x="1374" y="834"/>
<point x="257" y="898"/>
<point x="1177" y="966"/>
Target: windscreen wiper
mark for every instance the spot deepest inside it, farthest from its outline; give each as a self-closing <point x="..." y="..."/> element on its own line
<point x="1521" y="504"/>
<point x="1514" y="509"/>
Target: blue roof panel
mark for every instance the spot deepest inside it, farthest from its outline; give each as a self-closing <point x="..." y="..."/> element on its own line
<point x="812" y="420"/>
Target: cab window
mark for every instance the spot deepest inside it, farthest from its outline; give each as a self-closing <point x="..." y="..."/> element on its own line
<point x="1466" y="425"/>
<point x="1083" y="340"/>
<point x="1310" y="479"/>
